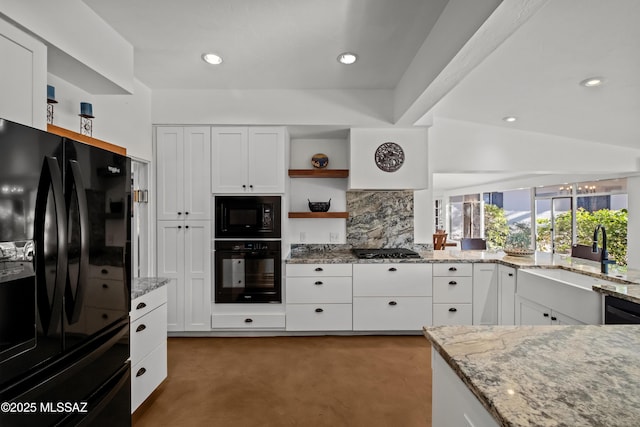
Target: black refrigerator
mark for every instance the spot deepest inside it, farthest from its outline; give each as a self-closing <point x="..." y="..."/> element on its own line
<point x="65" y="277"/>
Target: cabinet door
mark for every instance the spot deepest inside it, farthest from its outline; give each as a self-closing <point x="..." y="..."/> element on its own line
<point x="229" y="159"/>
<point x="485" y="294"/>
<point x="266" y="159"/>
<point x="170" y="172"/>
<point x="197" y="169"/>
<point x="506" y="295"/>
<point x="197" y="280"/>
<point x="531" y="313"/>
<point x="171" y="265"/>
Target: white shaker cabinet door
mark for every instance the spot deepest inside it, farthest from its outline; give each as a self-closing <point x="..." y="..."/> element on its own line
<point x="485" y="294"/>
<point x="266" y="159"/>
<point x="171" y="265"/>
<point x="229" y="159"/>
<point x="197" y="280"/>
<point x="197" y="170"/>
<point x="170" y="172"/>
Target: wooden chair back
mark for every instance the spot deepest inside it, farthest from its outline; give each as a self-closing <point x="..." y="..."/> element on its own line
<point x="439" y="240"/>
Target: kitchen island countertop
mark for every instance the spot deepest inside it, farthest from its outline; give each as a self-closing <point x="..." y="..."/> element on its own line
<point x="143" y="285"/>
<point x="587" y="375"/>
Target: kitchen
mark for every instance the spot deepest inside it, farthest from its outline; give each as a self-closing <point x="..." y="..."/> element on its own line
<point x="606" y="141"/>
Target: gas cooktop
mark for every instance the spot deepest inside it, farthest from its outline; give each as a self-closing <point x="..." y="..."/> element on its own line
<point x="385" y="253"/>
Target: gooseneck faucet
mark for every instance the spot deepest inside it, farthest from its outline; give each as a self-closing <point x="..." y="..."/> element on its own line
<point x="604" y="256"/>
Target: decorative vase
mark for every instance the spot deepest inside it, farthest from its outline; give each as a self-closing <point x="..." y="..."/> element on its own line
<point x="319" y="160"/>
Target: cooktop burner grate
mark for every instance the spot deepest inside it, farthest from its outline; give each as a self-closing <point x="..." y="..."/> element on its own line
<point x="385" y="253"/>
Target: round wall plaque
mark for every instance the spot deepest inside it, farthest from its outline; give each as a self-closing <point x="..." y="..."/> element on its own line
<point x="389" y="157"/>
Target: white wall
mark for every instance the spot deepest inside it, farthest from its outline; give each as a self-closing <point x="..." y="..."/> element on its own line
<point x="457" y="146"/>
<point x="273" y="107"/>
<point x="364" y="174"/>
<point x="83" y="49"/>
<point x="633" y="225"/>
<point x="123" y="120"/>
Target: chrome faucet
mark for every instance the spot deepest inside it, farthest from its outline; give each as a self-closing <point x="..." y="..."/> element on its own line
<point x="604" y="255"/>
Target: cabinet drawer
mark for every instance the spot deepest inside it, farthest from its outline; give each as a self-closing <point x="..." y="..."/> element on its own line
<point x="319" y="290"/>
<point x="147" y="375"/>
<point x="147" y="332"/>
<point x="106" y="272"/>
<point x="247" y="321"/>
<point x="313" y="270"/>
<point x="107" y="293"/>
<point x="147" y="302"/>
<point x="453" y="269"/>
<point x="392" y="279"/>
<point x="319" y="317"/>
<point x="452" y="314"/>
<point x="391" y="313"/>
<point x="452" y="289"/>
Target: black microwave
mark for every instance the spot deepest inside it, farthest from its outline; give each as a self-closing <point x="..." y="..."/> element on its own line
<point x="247" y="216"/>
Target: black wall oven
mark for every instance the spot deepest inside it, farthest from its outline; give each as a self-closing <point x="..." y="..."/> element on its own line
<point x="247" y="217"/>
<point x="248" y="271"/>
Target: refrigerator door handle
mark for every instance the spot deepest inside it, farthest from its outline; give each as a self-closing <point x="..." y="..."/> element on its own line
<point x="50" y="309"/>
<point x="74" y="303"/>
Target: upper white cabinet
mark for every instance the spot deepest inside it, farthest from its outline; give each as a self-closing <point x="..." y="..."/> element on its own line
<point x="248" y="159"/>
<point x="183" y="173"/>
<point x="24" y="77"/>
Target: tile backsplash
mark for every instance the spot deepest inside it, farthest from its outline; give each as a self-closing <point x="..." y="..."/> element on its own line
<point x="380" y="219"/>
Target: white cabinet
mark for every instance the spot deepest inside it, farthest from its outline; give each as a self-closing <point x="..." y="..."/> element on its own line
<point x="319" y="297"/>
<point x="24" y="77"/>
<point x="454" y="405"/>
<point x="183" y="156"/>
<point x="248" y="159"/>
<point x="485" y="294"/>
<point x="544" y="301"/>
<point x="148" y="344"/>
<point x="532" y="313"/>
<point x="184" y="257"/>
<point x="506" y="295"/>
<point x="392" y="296"/>
<point x="453" y="294"/>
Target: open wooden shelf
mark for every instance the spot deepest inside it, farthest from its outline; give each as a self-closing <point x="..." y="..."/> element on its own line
<point x="86" y="139"/>
<point x="318" y="173"/>
<point x="318" y="214"/>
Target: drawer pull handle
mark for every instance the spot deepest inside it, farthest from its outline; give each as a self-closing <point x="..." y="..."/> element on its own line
<point x="179" y="226"/>
<point x="554" y="318"/>
<point x="318" y="283"/>
<point x="453" y="282"/>
<point x="140" y="372"/>
<point x="393" y="303"/>
<point x="319" y="310"/>
<point x="545" y="314"/>
<point x="141" y="306"/>
<point x="179" y="213"/>
<point x="393" y="269"/>
<point x="248" y="320"/>
<point x="510" y="274"/>
<point x="453" y="269"/>
<point x="186" y="213"/>
<point x="141" y="328"/>
<point x="453" y="309"/>
<point x="319" y="269"/>
<point x="104" y="271"/>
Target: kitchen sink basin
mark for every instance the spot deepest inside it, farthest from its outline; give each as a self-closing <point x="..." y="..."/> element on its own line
<point x="569" y="277"/>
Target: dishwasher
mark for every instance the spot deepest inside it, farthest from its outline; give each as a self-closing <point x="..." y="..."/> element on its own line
<point x="620" y="312"/>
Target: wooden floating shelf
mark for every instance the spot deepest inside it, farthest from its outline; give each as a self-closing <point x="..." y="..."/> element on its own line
<point x="66" y="133"/>
<point x="318" y="173"/>
<point x="318" y="214"/>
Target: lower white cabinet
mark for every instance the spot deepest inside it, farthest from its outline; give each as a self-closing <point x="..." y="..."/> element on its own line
<point x="453" y="293"/>
<point x="532" y="313"/>
<point x="148" y="344"/>
<point x="453" y="404"/>
<point x="494" y="289"/>
<point x="319" y="297"/>
<point x="247" y="320"/>
<point x="392" y="296"/>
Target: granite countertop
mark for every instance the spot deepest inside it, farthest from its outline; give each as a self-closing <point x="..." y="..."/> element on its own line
<point x="626" y="281"/>
<point x="585" y="375"/>
<point x="143" y="285"/>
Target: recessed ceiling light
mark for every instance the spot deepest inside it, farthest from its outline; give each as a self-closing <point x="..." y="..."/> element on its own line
<point x="347" y="58"/>
<point x="592" y="82"/>
<point x="212" y="58"/>
<point x="510" y="119"/>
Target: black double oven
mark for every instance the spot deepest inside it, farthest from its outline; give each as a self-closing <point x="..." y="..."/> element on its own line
<point x="248" y="253"/>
